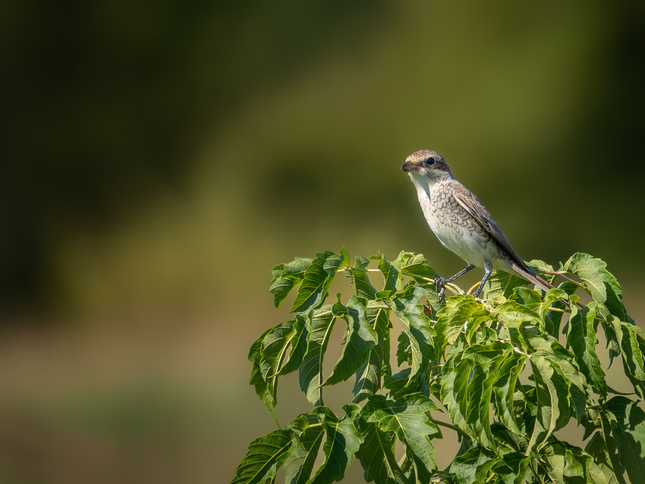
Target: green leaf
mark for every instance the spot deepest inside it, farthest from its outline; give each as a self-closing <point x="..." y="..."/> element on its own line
<point x="319" y="328"/>
<point x="603" y="446"/>
<point x="263" y="388"/>
<point x="502" y="283"/>
<point x="581" y="337"/>
<point x="552" y="394"/>
<point x="511" y="468"/>
<point x="391" y="273"/>
<point x="359" y="339"/>
<point x="628" y="430"/>
<point x="399" y="382"/>
<point x="290" y="334"/>
<point x="563" y="363"/>
<point x="377" y="456"/>
<point x="565" y="463"/>
<point x="416" y="326"/>
<point x="342" y="441"/>
<point x="360" y="280"/>
<point x="407" y="417"/>
<point x="536" y="302"/>
<point x="514" y="314"/>
<point x="416" y="266"/>
<point x="316" y="281"/>
<point x="599" y="283"/>
<point x="271" y="358"/>
<point x="504" y="388"/>
<point x="542" y="268"/>
<point x="455" y="377"/>
<point x="554" y="318"/>
<point x="286" y="277"/>
<point x="590" y="270"/>
<point x="487" y="358"/>
<point x="369" y="376"/>
<point x="346" y="259"/>
<point x="300" y="463"/>
<point x="473" y="466"/>
<point x="451" y="320"/>
<point x="631" y="339"/>
<point x="264" y="458"/>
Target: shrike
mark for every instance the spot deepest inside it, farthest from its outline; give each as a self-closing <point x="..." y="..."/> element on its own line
<point x="461" y="222"/>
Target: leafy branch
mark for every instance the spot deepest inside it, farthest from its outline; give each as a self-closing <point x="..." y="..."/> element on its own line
<point x="462" y="356"/>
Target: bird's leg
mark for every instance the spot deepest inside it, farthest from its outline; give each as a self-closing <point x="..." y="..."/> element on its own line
<point x="488" y="267"/>
<point x="440" y="282"/>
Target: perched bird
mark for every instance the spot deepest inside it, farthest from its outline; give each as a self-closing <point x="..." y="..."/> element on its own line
<point x="461" y="222"/>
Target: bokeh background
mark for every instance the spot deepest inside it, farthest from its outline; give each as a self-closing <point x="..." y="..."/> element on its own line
<point x="160" y="157"/>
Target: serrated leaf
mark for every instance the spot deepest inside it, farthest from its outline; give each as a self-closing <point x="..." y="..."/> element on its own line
<point x="590" y="270"/>
<point x="541" y="267"/>
<point x="264" y="458"/>
<point x="632" y="345"/>
<point x="286" y="277"/>
<point x="416" y="326"/>
<point x="565" y="463"/>
<point x="291" y="335"/>
<point x="538" y="303"/>
<point x="504" y="388"/>
<point x="316" y="281"/>
<point x="511" y="468"/>
<point x="407" y="417"/>
<point x="599" y="283"/>
<point x="604" y="448"/>
<point x="300" y="463"/>
<point x="514" y="314"/>
<point x="502" y="283"/>
<point x="359" y="339"/>
<point x="346" y="259"/>
<point x="553" y="318"/>
<point x="377" y="365"/>
<point x="319" y="327"/>
<point x="416" y="266"/>
<point x="562" y="362"/>
<point x="399" y="382"/>
<point x="359" y="278"/>
<point x="454" y="381"/>
<point x="263" y="388"/>
<point x="487" y="358"/>
<point x="376" y="455"/>
<point x="514" y="442"/>
<point x="473" y="466"/>
<point x="477" y="329"/>
<point x="581" y="337"/>
<point x="452" y="319"/>
<point x="628" y="430"/>
<point x="342" y="441"/>
<point x="552" y="394"/>
<point x="391" y="274"/>
<point x="471" y="399"/>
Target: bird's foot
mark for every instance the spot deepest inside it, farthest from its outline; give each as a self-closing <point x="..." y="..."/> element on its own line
<point x="439" y="287"/>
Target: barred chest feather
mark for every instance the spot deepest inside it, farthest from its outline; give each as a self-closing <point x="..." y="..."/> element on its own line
<point x="453" y="226"/>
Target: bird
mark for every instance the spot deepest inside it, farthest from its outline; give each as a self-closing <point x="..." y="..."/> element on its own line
<point x="462" y="223"/>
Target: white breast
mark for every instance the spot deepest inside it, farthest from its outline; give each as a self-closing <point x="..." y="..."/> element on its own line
<point x="468" y="242"/>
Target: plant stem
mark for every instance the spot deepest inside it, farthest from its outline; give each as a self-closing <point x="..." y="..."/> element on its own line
<point x="450" y="426"/>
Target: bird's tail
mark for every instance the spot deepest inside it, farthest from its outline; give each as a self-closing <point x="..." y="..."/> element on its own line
<point x="529" y="275"/>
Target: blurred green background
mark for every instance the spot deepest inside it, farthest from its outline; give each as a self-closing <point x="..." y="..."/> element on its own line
<point x="161" y="157"/>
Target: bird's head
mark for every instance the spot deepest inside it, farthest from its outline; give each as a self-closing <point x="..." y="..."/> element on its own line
<point x="426" y="164"/>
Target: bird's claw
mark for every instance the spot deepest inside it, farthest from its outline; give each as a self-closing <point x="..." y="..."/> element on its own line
<point x="439" y="283"/>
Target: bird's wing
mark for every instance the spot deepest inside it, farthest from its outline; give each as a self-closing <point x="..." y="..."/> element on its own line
<point x="474" y="207"/>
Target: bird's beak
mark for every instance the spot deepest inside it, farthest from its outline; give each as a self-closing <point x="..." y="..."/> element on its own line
<point x="409" y="166"/>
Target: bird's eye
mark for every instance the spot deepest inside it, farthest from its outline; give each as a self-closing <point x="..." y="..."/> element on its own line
<point x="430" y="161"/>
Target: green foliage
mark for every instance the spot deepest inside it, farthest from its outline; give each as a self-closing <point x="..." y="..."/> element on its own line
<point x="499" y="368"/>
